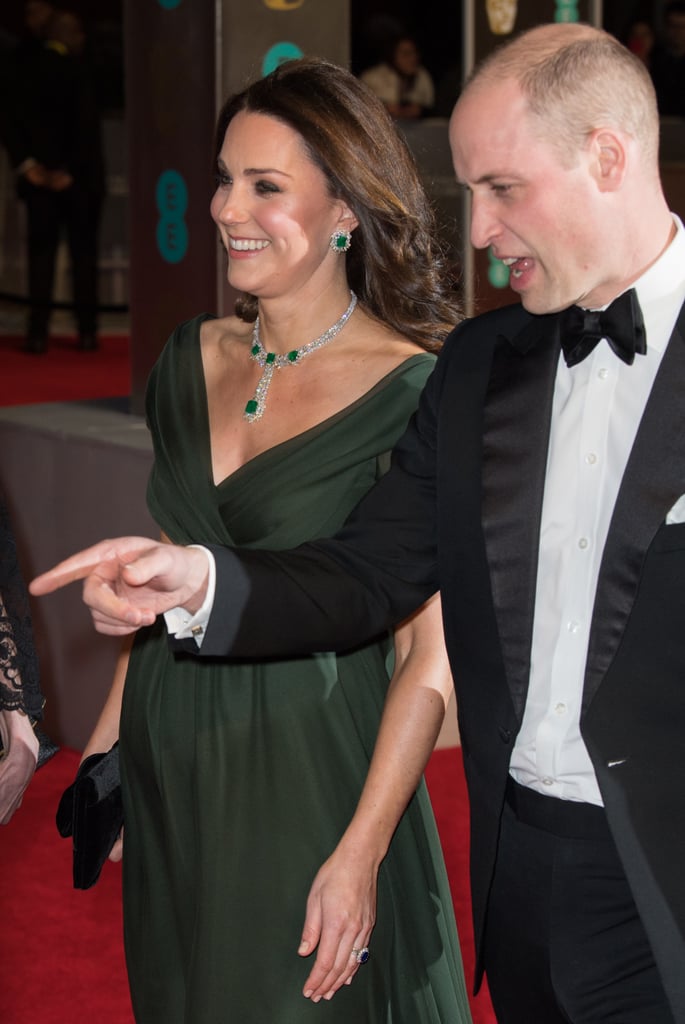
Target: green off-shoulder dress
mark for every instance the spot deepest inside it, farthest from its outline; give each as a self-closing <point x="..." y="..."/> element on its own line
<point x="241" y="776"/>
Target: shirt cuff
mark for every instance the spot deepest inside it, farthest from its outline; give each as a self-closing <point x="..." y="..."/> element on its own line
<point x="180" y="623"/>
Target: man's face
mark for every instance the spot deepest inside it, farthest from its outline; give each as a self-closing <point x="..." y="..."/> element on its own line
<point x="533" y="211"/>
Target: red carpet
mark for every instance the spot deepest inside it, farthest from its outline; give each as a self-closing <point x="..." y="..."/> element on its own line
<point x="447" y="787"/>
<point x="63" y="374"/>
<point x="61" y="958"/>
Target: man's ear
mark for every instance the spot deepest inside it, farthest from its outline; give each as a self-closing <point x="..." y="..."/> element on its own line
<point x="608" y="158"/>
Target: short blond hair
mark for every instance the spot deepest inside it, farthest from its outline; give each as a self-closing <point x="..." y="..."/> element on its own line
<point x="577" y="79"/>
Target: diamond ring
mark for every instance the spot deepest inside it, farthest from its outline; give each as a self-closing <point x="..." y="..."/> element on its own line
<point x="361" y="955"/>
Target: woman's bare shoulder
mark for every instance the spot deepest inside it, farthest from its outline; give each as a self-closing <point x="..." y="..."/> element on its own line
<point x="383" y="344"/>
<point x="225" y="330"/>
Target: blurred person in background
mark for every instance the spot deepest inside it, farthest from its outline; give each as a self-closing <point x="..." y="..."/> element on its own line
<point x="640" y="40"/>
<point x="22" y="748"/>
<point x="667" y="63"/>
<point x="53" y="138"/>
<point x="400" y="81"/>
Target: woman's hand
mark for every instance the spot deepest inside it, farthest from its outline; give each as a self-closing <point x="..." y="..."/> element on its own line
<point x="341" y="908"/>
<point x="341" y="913"/>
<point x="18" y="762"/>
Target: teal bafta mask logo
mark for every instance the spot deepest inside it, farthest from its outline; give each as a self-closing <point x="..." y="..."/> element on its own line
<point x="279" y="54"/>
<point x="498" y="273"/>
<point x="566" y="10"/>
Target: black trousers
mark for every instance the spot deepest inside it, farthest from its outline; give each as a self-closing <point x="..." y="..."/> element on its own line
<point x="75" y="211"/>
<point x="564" y="943"/>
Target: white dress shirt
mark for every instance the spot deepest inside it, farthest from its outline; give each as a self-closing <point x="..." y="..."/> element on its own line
<point x="596" y="412"/>
<point x="180" y="623"/>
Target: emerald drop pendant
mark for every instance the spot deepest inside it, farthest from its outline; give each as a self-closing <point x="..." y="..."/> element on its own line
<point x="270" y="361"/>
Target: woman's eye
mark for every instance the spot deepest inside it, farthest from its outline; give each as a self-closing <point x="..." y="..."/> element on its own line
<point x="266" y="187"/>
<point x="222" y="179"/>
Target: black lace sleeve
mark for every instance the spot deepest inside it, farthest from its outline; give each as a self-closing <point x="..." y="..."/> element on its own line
<point x="19" y="678"/>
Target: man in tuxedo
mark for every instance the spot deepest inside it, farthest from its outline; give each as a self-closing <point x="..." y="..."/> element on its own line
<point x="53" y="136"/>
<point x="541" y="489"/>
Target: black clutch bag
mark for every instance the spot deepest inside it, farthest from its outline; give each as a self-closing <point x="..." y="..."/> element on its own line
<point x="46" y="748"/>
<point x="91" y="811"/>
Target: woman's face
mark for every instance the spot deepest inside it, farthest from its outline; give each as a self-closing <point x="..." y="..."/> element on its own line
<point x="273" y="209"/>
<point x="406" y="57"/>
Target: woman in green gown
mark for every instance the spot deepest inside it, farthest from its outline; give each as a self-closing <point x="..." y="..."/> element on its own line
<point x="242" y="778"/>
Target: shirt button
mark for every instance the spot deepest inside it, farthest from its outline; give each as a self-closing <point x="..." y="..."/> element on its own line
<point x="583" y="543"/>
<point x="603" y="373"/>
<point x="573" y="626"/>
<point x="591" y="458"/>
<point x="547" y="782"/>
<point x="560" y="708"/>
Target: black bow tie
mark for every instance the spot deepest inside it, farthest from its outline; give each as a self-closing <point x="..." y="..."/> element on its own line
<point x="620" y="323"/>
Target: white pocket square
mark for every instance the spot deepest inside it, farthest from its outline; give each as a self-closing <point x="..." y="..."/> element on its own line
<point x="677" y="513"/>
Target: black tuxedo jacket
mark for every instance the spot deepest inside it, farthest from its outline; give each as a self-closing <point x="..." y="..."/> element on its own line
<point x="51" y="114"/>
<point x="460" y="511"/>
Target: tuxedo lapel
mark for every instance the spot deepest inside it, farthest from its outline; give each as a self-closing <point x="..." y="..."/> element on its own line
<point x="653" y="480"/>
<point x="516" y="434"/>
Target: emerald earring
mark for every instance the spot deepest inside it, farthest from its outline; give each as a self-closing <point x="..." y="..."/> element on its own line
<point x="341" y="240"/>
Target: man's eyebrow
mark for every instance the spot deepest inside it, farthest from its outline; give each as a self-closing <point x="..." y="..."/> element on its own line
<point x="487" y="179"/>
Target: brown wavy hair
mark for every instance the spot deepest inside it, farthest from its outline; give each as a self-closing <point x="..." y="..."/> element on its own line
<point x="396" y="265"/>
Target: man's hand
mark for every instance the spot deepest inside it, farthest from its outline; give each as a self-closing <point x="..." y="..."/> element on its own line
<point x="18" y="762"/>
<point x="129" y="581"/>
